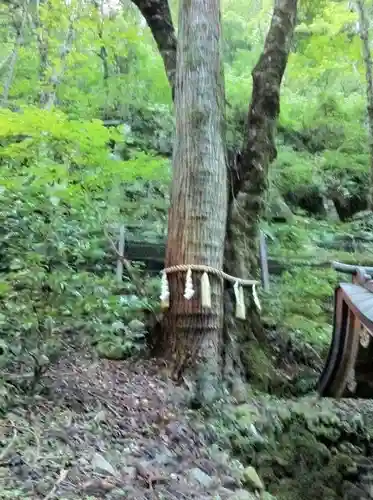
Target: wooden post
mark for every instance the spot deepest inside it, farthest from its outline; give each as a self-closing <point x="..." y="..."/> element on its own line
<point x="264" y="262"/>
<point x="121" y="242"/>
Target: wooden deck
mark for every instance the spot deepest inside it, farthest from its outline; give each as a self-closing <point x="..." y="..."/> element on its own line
<point x="348" y="370"/>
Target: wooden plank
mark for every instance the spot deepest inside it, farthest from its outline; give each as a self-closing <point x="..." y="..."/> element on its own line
<point x="121" y="244"/>
<point x="350" y="269"/>
<point x="360" y="301"/>
<point x="153" y="255"/>
<point x="326" y="384"/>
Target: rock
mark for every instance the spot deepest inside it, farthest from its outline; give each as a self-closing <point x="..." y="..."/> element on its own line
<point x="368" y="488"/>
<point x="230" y="482"/>
<point x="163" y="458"/>
<point x="221" y="457"/>
<point x="243" y="495"/>
<point x="364" y="236"/>
<point x="353" y="492"/>
<point x="130" y="473"/>
<point x="251" y="478"/>
<point x="198" y="476"/>
<point x="42" y="488"/>
<point x="279" y="211"/>
<point x="363" y="214"/>
<point x="100" y="463"/>
<point x="97" y="487"/>
<point x="331" y="213"/>
<point x="136" y="326"/>
<point x="101" y="416"/>
<point x="239" y="391"/>
<point x="125" y="492"/>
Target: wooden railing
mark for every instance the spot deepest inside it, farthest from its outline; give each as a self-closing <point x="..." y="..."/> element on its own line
<point x="348" y="371"/>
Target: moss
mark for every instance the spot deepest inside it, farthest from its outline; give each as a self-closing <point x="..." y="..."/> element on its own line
<point x="318" y="333"/>
<point x="260" y="367"/>
<point x="301" y="449"/>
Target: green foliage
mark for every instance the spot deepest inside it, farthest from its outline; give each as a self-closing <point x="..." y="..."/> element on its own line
<point x="301" y="299"/>
<point x="59" y="190"/>
<point x="65" y="153"/>
<point x="45" y="293"/>
<point x="302" y="303"/>
<point x="61" y="185"/>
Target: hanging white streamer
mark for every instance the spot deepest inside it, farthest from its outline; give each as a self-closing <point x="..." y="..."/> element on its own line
<point x="189" y="290"/>
<point x="165" y="292"/>
<point x="256" y="299"/>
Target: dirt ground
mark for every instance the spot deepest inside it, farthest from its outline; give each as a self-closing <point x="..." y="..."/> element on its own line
<point x="105" y="429"/>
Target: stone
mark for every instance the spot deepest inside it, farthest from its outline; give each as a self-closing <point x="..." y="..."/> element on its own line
<point x="230" y="482"/>
<point x="101" y="416"/>
<point x="251" y="478"/>
<point x="198" y="476"/>
<point x="100" y="463"/>
<point x="42" y="488"/>
<point x="97" y="487"/>
<point x="243" y="495"/>
<point x="279" y="210"/>
<point x="136" y="326"/>
<point x="331" y="211"/>
<point x="363" y="214"/>
<point x="353" y="492"/>
<point x="129" y="472"/>
<point x="163" y="458"/>
<point x="239" y="391"/>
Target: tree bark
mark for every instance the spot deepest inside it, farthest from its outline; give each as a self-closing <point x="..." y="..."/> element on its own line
<point x="199" y="195"/>
<point x="158" y="17"/>
<point x="103" y="55"/>
<point x="42" y="38"/>
<point x="248" y="174"/>
<point x="19" y="25"/>
<point x="57" y="76"/>
<point x="367" y="57"/>
<point x="249" y="180"/>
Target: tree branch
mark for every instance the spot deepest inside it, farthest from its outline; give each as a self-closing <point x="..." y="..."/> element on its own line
<point x="367" y="57"/>
<point x="260" y="148"/>
<point x="158" y="17"/>
<point x="249" y="178"/>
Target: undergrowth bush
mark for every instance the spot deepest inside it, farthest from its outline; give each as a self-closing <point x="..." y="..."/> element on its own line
<point x="57" y="269"/>
<point x="301" y="301"/>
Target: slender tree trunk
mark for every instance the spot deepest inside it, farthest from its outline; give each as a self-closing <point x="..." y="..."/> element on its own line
<point x="50" y="95"/>
<point x="42" y="40"/>
<point x="100" y="31"/>
<point x="19" y="28"/>
<point x="367" y="56"/>
<point x="199" y="195"/>
<point x="158" y="17"/>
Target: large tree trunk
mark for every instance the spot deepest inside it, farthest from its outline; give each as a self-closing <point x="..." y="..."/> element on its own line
<point x="248" y="174"/>
<point x="198" y="212"/>
<point x="367" y="56"/>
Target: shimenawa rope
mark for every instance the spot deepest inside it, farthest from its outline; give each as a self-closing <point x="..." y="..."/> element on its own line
<point x="189" y="291"/>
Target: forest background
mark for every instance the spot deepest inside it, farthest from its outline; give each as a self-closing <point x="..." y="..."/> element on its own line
<point x="86" y="134"/>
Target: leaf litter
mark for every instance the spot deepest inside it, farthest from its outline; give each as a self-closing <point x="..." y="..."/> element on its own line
<point x="113" y="430"/>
